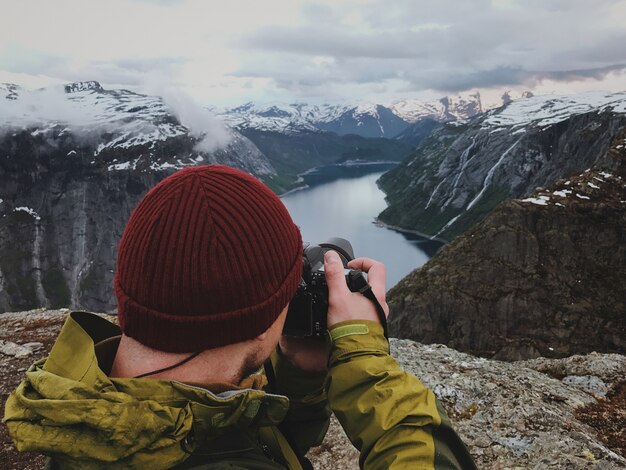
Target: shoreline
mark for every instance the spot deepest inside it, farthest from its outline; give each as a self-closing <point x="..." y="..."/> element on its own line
<point x="396" y="228"/>
<point x="347" y="163"/>
<point x="293" y="190"/>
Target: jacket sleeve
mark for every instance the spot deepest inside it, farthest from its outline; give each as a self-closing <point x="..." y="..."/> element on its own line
<point x="308" y="417"/>
<point x="388" y="414"/>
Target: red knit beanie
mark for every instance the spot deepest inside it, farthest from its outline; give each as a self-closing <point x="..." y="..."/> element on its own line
<point x="210" y="257"/>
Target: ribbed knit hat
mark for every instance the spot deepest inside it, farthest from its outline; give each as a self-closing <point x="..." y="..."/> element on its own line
<point x="210" y="257"/>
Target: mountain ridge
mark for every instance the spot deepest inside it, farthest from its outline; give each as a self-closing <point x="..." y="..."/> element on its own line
<point x="366" y="119"/>
<point x="462" y="170"/>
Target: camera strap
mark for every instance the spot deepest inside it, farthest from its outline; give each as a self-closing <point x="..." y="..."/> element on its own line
<point x="358" y="283"/>
<point x="369" y="293"/>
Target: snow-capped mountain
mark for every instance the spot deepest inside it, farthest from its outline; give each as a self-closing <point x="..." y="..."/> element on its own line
<point x="364" y="119"/>
<point x="284" y="118"/>
<point x="127" y="130"/>
<point x="448" y="108"/>
<point x="463" y="169"/>
<point x="544" y="111"/>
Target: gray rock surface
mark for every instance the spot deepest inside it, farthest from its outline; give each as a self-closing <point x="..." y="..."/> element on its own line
<point x="509" y="415"/>
<point x="18" y="350"/>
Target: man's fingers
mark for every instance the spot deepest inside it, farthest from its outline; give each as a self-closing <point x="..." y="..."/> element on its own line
<point x="376" y="272"/>
<point x="335" y="277"/>
<point x="376" y="277"/>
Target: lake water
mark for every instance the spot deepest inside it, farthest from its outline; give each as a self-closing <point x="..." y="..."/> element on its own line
<point x="343" y="201"/>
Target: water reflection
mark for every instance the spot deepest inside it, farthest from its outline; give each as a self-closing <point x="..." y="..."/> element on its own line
<point x="342" y="201"/>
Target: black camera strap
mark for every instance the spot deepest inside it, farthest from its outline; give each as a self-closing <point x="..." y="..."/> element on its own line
<point x="358" y="283"/>
<point x="369" y="293"/>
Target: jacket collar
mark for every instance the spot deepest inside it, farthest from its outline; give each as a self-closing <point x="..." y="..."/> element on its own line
<point x="85" y="350"/>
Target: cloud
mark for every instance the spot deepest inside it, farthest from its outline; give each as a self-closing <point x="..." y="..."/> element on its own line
<point x="248" y="49"/>
<point x="41" y="107"/>
<point x="210" y="131"/>
<point x="47" y="107"/>
<point x="447" y="45"/>
<point x="509" y="76"/>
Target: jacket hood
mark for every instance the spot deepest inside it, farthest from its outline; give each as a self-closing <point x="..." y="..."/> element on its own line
<point x="69" y="409"/>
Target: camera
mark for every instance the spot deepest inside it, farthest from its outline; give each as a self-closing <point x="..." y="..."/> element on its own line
<point x="306" y="317"/>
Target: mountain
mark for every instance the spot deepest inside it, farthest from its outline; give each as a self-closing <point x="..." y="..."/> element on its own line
<point x="363" y="119"/>
<point x="417" y="132"/>
<point x="366" y="121"/>
<point x="543" y="275"/>
<point x="123" y="130"/>
<point x="462" y="170"/>
<point x="73" y="164"/>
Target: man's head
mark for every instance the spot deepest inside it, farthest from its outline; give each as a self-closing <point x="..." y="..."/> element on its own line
<point x="210" y="257"/>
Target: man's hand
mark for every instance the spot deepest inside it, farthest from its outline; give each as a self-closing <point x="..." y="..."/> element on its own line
<point x="345" y="305"/>
<point x="306" y="354"/>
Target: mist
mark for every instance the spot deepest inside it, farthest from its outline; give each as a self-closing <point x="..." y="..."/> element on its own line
<point x="88" y="118"/>
<point x="202" y="125"/>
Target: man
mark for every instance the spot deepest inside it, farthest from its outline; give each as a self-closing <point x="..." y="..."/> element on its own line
<point x="206" y="268"/>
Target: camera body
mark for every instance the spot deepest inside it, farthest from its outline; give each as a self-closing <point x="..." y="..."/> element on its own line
<point x="308" y="309"/>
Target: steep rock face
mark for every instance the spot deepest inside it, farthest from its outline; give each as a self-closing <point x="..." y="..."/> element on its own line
<point x="68" y="185"/>
<point x="463" y="170"/>
<point x="539" y="276"/>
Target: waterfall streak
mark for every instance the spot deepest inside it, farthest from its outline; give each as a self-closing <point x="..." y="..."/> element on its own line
<point x="490" y="174"/>
<point x="435" y="192"/>
<point x="463" y="161"/>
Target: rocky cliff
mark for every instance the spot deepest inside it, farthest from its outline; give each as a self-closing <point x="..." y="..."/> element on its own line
<point x="462" y="170"/>
<point x="538" y="276"/>
<point x="544" y="413"/>
<point x="73" y="164"/>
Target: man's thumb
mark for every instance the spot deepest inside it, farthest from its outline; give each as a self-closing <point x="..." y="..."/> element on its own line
<point x="333" y="269"/>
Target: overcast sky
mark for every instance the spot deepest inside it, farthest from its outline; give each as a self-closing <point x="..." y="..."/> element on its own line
<point x="229" y="52"/>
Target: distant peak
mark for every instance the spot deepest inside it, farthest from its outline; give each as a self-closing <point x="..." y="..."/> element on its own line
<point x="11" y="90"/>
<point x="83" y="86"/>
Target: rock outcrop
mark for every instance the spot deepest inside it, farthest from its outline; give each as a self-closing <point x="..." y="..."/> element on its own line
<point x="464" y="169"/>
<point x="533" y="414"/>
<point x="538" y="276"/>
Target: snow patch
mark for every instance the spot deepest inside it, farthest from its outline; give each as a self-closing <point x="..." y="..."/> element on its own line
<point x="28" y="210"/>
<point x="540" y="201"/>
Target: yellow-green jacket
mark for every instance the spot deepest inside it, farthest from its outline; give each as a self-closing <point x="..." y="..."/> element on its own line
<point x="69" y="409"/>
